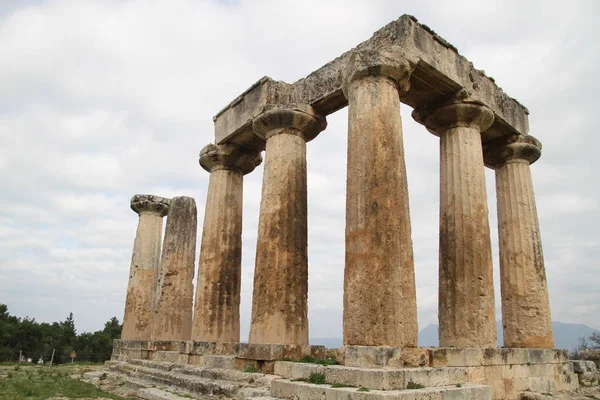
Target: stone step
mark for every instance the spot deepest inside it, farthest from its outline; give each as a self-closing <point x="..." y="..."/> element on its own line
<point x="380" y="379"/>
<point x="253" y="378"/>
<point x="287" y="389"/>
<point x="158" y="394"/>
<point x="136" y="384"/>
<point x="190" y="383"/>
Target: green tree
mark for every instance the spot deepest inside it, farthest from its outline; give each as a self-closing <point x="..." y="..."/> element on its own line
<point x="39" y="339"/>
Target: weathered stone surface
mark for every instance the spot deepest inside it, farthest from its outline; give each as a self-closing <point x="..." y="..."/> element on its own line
<point x="173" y="312"/>
<point x="379" y="284"/>
<point x="525" y="305"/>
<point x="143" y="272"/>
<point x="217" y="306"/>
<point x="439" y="71"/>
<point x="308" y="391"/>
<point x="466" y="290"/>
<point x="158" y="394"/>
<point x="384" y="357"/>
<point x="581" y="366"/>
<point x="279" y="301"/>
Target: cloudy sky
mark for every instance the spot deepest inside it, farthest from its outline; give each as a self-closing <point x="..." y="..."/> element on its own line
<point x="104" y="99"/>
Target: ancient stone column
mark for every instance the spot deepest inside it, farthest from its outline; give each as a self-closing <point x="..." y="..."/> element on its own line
<point x="380" y="306"/>
<point x="525" y="306"/>
<point x="143" y="272"/>
<point x="173" y="311"/>
<point x="217" y="306"/>
<point x="466" y="290"/>
<point x="279" y="300"/>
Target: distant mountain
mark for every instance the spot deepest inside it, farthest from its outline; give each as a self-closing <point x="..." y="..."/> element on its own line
<point x="428" y="337"/>
<point x="566" y="336"/>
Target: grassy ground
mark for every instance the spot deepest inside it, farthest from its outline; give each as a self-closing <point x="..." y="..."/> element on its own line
<point x="43" y="382"/>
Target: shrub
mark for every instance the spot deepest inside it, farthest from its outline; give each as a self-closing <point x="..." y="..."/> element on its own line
<point x="319" y="379"/>
<point x="414" y="385"/>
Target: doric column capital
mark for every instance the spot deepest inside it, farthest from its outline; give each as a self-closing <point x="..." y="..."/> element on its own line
<point x="229" y="156"/>
<point x="502" y="150"/>
<point x="370" y="62"/>
<point x="149" y="203"/>
<point x="301" y="119"/>
<point x="437" y="120"/>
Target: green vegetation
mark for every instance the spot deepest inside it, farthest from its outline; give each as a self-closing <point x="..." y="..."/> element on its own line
<point x="339" y="385"/>
<point x="35" y="340"/>
<point x="414" y="385"/>
<point x="458" y="385"/>
<point x="588" y="349"/>
<point x="251" y="369"/>
<point x="318" y="379"/>
<point x="42" y="382"/>
<point x="363" y="389"/>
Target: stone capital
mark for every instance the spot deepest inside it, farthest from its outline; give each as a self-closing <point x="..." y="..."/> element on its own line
<point x="301" y="119"/>
<point x="502" y="150"/>
<point x="371" y="62"/>
<point x="229" y="156"/>
<point x="149" y="203"/>
<point x="455" y="114"/>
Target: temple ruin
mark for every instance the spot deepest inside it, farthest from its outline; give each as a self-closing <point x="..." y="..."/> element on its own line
<point x="478" y="126"/>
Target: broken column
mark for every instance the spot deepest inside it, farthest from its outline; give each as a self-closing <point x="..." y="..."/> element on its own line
<point x="380" y="306"/>
<point x="466" y="290"/>
<point x="144" y="265"/>
<point x="173" y="311"/>
<point x="279" y="300"/>
<point x="525" y="306"/>
<point x="217" y="307"/>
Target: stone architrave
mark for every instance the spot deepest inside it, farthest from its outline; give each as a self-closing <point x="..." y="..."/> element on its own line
<point x="143" y="272"/>
<point x="380" y="306"/>
<point x="466" y="290"/>
<point x="279" y="301"/>
<point x="525" y="305"/>
<point x="173" y="310"/>
<point x="217" y="306"/>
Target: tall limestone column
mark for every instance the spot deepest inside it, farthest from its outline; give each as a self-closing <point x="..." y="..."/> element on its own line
<point x="525" y="305"/>
<point x="217" y="307"/>
<point x="279" y="300"/>
<point x="466" y="290"/>
<point x="143" y="272"/>
<point x="380" y="306"/>
<point x="175" y="291"/>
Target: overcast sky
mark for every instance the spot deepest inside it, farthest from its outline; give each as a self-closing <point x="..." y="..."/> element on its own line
<point x="101" y="100"/>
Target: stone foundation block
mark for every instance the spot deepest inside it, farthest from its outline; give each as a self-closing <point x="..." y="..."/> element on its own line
<point x="542" y="385"/>
<point x="375" y="378"/>
<point x="201" y="348"/>
<point x="514" y="356"/>
<point x="306" y="391"/>
<point x="179" y="346"/>
<point x="272" y="352"/>
<point x="171" y="356"/>
<point x="580" y="366"/>
<point x="451" y="357"/>
<point x="384" y="357"/>
<point x="227" y="362"/>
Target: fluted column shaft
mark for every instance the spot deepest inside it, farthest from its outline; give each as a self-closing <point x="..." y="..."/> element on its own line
<point x="526" y="316"/>
<point x="217" y="306"/>
<point x="279" y="301"/>
<point x="144" y="266"/>
<point x="466" y="290"/>
<point x="379" y="283"/>
<point x="175" y="291"/>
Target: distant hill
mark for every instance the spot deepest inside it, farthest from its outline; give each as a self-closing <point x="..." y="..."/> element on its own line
<point x="566" y="336"/>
